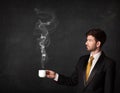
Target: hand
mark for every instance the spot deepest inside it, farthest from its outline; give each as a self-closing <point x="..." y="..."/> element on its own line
<point x="50" y="74"/>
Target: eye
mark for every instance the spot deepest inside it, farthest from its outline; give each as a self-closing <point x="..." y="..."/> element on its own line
<point x="89" y="40"/>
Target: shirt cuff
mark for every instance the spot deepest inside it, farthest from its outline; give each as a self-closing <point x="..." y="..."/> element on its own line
<point x="56" y="77"/>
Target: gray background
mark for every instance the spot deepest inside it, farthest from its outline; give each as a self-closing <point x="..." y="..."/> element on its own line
<point x="20" y="54"/>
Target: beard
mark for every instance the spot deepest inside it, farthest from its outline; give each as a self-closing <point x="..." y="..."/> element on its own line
<point x="90" y="48"/>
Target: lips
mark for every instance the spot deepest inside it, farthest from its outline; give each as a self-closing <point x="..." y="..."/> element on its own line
<point x="86" y="46"/>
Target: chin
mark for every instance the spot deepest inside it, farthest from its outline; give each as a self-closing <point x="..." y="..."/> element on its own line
<point x="88" y="50"/>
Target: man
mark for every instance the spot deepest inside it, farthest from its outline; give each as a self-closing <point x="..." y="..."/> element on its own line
<point x="94" y="75"/>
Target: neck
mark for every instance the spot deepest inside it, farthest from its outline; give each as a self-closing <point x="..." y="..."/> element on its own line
<point x="95" y="51"/>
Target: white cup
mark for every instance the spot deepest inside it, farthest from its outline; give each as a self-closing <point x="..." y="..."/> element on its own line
<point x="42" y="73"/>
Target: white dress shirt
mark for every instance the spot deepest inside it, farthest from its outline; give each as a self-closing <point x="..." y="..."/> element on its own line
<point x="96" y="57"/>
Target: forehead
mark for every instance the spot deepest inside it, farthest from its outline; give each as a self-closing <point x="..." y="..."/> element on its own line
<point x="90" y="37"/>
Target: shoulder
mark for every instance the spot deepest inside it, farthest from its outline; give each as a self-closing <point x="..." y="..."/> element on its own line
<point x="109" y="61"/>
<point x="81" y="61"/>
<point x="84" y="57"/>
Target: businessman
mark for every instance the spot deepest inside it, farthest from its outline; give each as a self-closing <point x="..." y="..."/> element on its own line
<point x="95" y="72"/>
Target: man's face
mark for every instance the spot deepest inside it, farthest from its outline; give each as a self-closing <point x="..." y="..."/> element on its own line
<point x="91" y="43"/>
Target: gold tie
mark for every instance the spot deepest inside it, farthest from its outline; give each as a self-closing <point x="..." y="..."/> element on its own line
<point x="88" y="67"/>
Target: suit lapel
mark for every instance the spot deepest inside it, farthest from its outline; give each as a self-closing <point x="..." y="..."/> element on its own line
<point x="84" y="69"/>
<point x="95" y="69"/>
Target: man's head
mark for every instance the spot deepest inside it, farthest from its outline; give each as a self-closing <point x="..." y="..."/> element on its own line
<point x="95" y="39"/>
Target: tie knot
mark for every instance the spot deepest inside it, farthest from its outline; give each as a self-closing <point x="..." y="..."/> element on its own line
<point x="91" y="59"/>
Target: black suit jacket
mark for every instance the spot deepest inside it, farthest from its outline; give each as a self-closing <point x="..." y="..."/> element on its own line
<point x="101" y="79"/>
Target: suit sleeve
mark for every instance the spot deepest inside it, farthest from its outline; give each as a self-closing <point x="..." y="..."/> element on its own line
<point x="69" y="81"/>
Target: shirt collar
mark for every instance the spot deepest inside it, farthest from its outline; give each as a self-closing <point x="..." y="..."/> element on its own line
<point x="96" y="55"/>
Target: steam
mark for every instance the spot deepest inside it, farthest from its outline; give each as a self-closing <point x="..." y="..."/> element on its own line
<point x="45" y="23"/>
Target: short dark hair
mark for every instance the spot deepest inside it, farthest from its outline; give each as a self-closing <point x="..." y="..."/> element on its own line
<point x="98" y="33"/>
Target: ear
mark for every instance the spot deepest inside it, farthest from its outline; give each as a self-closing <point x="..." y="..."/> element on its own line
<point x="98" y="43"/>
